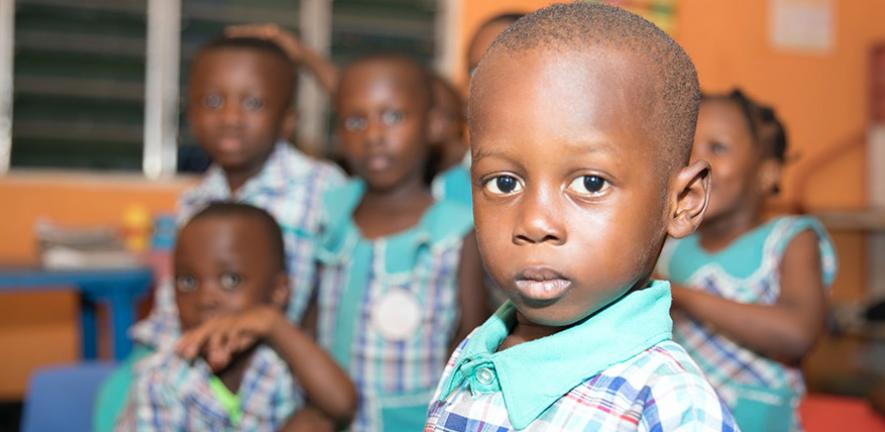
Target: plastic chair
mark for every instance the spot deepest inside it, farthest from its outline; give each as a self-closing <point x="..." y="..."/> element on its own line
<point x="61" y="398"/>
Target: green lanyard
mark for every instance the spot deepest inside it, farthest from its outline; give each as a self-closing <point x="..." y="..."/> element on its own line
<point x="229" y="401"/>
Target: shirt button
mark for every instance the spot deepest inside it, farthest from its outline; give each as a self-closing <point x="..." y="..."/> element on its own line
<point x="485" y="376"/>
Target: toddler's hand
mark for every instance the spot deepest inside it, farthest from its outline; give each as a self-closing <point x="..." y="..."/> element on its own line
<point x="272" y="32"/>
<point x="219" y="338"/>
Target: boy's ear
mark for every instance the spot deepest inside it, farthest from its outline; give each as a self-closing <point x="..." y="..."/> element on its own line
<point x="279" y="295"/>
<point x="689" y="195"/>
<point x="770" y="173"/>
<point x="290" y="123"/>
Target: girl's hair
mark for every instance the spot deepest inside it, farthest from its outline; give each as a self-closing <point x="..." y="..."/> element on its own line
<point x="763" y="123"/>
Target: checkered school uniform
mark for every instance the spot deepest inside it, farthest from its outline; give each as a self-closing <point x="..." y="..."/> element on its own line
<point x="745" y="272"/>
<point x="616" y="371"/>
<point x="171" y="394"/>
<point x="290" y="187"/>
<point x="388" y="307"/>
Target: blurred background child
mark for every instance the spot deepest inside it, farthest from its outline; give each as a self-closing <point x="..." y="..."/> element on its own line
<point x="749" y="295"/>
<point x="240" y="110"/>
<point x="401" y="278"/>
<point x="234" y="366"/>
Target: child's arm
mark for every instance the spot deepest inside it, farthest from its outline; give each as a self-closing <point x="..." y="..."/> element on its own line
<point x="308" y="419"/>
<point x="785" y="330"/>
<point x="325" y="385"/>
<point x="323" y="70"/>
<point x="472" y="295"/>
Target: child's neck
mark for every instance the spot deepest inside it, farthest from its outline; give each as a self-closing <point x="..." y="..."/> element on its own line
<point x="232" y="375"/>
<point x="527" y="331"/>
<point x="238" y="176"/>
<point x="384" y="212"/>
<point x="719" y="232"/>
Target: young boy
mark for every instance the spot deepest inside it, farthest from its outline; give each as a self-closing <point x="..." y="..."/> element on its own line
<point x="240" y="110"/>
<point x="581" y="120"/>
<point x="231" y="292"/>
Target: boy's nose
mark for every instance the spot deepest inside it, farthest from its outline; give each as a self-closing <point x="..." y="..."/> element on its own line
<point x="374" y="135"/>
<point x="231" y="114"/>
<point x="210" y="295"/>
<point x="539" y="220"/>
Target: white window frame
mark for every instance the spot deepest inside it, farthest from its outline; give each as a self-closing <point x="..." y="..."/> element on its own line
<point x="162" y="70"/>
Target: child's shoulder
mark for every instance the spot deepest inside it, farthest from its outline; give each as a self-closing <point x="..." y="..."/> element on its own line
<point x="667" y="386"/>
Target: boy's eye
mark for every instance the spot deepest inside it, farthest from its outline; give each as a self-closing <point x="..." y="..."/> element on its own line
<point x="391" y="117"/>
<point x="717" y="148"/>
<point x="503" y="185"/>
<point x="230" y="280"/>
<point x="355" y="123"/>
<point x="186" y="284"/>
<point x="213" y="102"/>
<point x="588" y="185"/>
<point x="252" y="103"/>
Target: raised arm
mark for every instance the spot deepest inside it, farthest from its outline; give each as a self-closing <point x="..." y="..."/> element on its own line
<point x="323" y="70"/>
<point x="325" y="385"/>
<point x="785" y="330"/>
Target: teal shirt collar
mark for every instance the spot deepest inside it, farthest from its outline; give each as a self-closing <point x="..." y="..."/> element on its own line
<point x="532" y="376"/>
<point x="443" y="223"/>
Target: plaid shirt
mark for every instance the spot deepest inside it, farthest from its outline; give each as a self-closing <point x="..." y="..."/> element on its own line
<point x="170" y="394"/>
<point x="388" y="307"/>
<point x="746" y="272"/>
<point x="289" y="187"/>
<point x="616" y="371"/>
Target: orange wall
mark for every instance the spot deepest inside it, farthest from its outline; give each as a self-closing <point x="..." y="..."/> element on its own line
<point x="41" y="328"/>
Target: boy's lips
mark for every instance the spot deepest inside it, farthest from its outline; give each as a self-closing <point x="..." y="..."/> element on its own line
<point x="378" y="162"/>
<point x="230" y="144"/>
<point x="541" y="283"/>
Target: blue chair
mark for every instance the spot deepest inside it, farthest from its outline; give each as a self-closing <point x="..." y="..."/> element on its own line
<point x="61" y="398"/>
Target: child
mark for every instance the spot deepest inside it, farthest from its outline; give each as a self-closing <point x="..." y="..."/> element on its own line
<point x="748" y="295"/>
<point x="400" y="279"/>
<point x="231" y="292"/>
<point x="240" y="110"/>
<point x="581" y="123"/>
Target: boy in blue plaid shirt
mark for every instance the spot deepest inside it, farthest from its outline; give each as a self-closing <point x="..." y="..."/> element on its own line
<point x="240" y="96"/>
<point x="238" y="362"/>
<point x="581" y="121"/>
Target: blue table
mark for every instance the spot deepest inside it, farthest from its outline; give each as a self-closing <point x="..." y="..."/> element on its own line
<point x="120" y="289"/>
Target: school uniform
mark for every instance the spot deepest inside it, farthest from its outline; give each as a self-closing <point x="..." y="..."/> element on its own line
<point x="289" y="187"/>
<point x="616" y="370"/>
<point x="388" y="307"/>
<point x="763" y="393"/>
<point x="171" y="394"/>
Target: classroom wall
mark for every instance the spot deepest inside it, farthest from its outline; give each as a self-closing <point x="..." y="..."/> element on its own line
<point x="41" y="328"/>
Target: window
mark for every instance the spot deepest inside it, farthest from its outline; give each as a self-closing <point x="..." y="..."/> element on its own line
<point x="81" y="70"/>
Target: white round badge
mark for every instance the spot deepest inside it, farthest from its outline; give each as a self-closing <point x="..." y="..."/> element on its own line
<point x="397" y="315"/>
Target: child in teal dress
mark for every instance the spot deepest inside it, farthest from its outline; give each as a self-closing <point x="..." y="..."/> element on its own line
<point x="748" y="294"/>
<point x="400" y="274"/>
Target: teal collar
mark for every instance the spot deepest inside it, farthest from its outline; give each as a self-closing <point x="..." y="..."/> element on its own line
<point x="441" y="224"/>
<point x="532" y="376"/>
